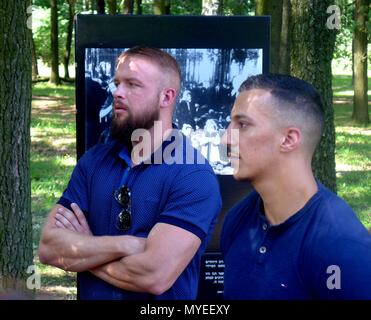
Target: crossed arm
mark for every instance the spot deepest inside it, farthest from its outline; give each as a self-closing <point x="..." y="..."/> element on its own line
<point x="131" y="263"/>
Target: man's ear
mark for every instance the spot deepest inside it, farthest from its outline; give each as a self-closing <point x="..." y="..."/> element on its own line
<point x="167" y="97"/>
<point x="291" y="140"/>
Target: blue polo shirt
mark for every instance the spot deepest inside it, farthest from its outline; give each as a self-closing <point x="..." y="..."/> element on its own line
<point x="184" y="195"/>
<point x="321" y="252"/>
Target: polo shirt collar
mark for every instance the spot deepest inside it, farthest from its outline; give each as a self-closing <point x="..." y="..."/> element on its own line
<point x="295" y="217"/>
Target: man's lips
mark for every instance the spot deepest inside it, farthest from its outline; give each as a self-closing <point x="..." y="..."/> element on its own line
<point x="119" y="106"/>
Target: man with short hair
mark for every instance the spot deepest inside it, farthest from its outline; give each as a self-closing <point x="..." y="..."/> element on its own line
<point x="134" y="227"/>
<point x="291" y="238"/>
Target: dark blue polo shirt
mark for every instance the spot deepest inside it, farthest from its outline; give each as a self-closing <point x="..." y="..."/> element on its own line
<point x="321" y="252"/>
<point x="184" y="195"/>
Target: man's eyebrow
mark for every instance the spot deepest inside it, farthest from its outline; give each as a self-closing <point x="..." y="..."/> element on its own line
<point x="127" y="79"/>
<point x="241" y="116"/>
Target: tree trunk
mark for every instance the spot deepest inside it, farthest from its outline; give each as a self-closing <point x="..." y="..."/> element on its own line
<point x="67" y="52"/>
<point x="112" y="6"/>
<point x="284" y="56"/>
<point x="161" y="7"/>
<point x="101" y="7"/>
<point x="360" y="109"/>
<point x="54" y="76"/>
<point x="35" y="69"/>
<point x="212" y="7"/>
<point x="15" y="114"/>
<point x="128" y="7"/>
<point x="139" y="7"/>
<point x="273" y="9"/>
<point x="87" y="5"/>
<point x="261" y="7"/>
<point x="312" y="49"/>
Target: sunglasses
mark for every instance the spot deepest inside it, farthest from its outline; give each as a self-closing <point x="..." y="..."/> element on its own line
<point x="123" y="197"/>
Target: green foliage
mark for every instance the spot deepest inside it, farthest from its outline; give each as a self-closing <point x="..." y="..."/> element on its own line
<point x="41" y="31"/>
<point x="343" y="45"/>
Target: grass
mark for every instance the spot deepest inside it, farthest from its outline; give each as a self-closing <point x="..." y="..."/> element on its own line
<point x="53" y="158"/>
<point x="353" y="151"/>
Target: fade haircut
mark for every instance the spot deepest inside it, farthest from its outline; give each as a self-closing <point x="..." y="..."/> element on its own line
<point x="297" y="103"/>
<point x="161" y="58"/>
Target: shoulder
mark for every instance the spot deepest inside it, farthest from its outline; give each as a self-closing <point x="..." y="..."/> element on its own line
<point x="335" y="219"/>
<point x="99" y="152"/>
<point x="335" y="238"/>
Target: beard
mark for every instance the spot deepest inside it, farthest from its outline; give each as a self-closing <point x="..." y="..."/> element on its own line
<point x="122" y="129"/>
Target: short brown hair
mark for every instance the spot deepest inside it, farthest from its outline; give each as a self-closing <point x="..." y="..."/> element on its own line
<point x="163" y="59"/>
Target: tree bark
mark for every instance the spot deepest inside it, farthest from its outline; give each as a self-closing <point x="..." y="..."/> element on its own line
<point x="15" y="114"/>
<point x="261" y="7"/>
<point x="128" y="7"/>
<point x="54" y="76"/>
<point x="67" y="52"/>
<point x="161" y="7"/>
<point x="35" y="69"/>
<point x="273" y="9"/>
<point x="360" y="108"/>
<point x="101" y="7"/>
<point x="311" y="55"/>
<point x="87" y="5"/>
<point x="284" y="56"/>
<point x="112" y="6"/>
<point x="139" y="7"/>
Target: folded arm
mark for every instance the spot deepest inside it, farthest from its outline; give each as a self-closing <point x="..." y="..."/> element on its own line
<point x="67" y="242"/>
<point x="167" y="252"/>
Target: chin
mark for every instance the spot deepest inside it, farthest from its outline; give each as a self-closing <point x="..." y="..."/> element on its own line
<point x="239" y="176"/>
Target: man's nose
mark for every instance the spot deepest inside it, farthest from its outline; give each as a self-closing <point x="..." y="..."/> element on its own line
<point x="119" y="92"/>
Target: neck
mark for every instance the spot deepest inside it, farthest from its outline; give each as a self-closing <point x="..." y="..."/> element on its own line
<point x="150" y="140"/>
<point x="285" y="194"/>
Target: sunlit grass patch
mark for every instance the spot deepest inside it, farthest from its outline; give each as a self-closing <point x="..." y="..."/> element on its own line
<point x="353" y="151"/>
<point x="56" y="283"/>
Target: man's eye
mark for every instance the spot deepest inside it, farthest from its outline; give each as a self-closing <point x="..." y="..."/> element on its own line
<point x="243" y="125"/>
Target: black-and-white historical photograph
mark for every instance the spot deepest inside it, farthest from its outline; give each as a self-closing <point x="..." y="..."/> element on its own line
<point x="210" y="81"/>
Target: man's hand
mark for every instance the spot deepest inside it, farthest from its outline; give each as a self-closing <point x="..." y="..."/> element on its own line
<point x="72" y="220"/>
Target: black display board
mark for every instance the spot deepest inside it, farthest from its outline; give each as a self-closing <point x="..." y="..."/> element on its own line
<point x="215" y="55"/>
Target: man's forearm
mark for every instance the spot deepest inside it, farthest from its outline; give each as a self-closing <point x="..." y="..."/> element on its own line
<point x="71" y="251"/>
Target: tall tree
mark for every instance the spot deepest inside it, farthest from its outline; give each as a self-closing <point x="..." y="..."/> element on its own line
<point x="101" y="6"/>
<point x="311" y="55"/>
<point x="87" y="4"/>
<point x="360" y="108"/>
<point x="273" y="9"/>
<point x="112" y="6"/>
<point x="67" y="52"/>
<point x="54" y="75"/>
<point x="128" y="6"/>
<point x="15" y="113"/>
<point x="161" y="7"/>
<point x="285" y="45"/>
<point x="139" y="7"/>
<point x="212" y="7"/>
<point x="35" y="69"/>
